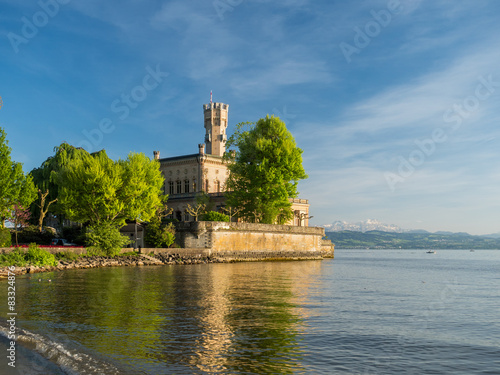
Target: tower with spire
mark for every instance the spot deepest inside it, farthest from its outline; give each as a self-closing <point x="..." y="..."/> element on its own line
<point x="215" y="122"/>
<point x="188" y="176"/>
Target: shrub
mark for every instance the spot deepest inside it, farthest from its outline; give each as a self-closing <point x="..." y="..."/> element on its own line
<point x="32" y="234"/>
<point x="159" y="235"/>
<point x="94" y="252"/>
<point x="5" y="237"/>
<point x="105" y="239"/>
<point x="13" y="258"/>
<point x="34" y="256"/>
<point x="40" y="257"/>
<point x="214" y="216"/>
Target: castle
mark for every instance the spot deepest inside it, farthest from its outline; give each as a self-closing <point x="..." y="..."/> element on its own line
<point x="188" y="175"/>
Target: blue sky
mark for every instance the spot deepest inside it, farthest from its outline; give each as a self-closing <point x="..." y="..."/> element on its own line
<point x="395" y="103"/>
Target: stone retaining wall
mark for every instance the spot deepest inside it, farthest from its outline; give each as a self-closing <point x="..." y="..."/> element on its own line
<point x="245" y="241"/>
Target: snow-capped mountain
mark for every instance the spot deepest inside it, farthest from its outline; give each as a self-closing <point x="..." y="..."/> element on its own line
<point x="362" y="226"/>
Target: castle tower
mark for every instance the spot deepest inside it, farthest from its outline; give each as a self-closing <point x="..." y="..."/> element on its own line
<point x="215" y="117"/>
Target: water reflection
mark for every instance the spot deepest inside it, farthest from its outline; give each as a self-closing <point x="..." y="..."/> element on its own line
<point x="230" y="318"/>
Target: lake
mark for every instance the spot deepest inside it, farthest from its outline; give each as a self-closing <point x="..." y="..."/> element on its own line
<point x="364" y="312"/>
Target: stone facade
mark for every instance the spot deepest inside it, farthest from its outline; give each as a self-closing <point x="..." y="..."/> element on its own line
<point x="188" y="175"/>
<point x="240" y="241"/>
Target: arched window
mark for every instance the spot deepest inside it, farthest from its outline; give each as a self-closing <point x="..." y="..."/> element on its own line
<point x="171" y="187"/>
<point x="179" y="187"/>
<point x="217" y="186"/>
<point x="186" y="186"/>
<point x="194" y="186"/>
<point x="206" y="185"/>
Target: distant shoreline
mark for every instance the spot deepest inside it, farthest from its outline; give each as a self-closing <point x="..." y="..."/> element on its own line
<point x="391" y="240"/>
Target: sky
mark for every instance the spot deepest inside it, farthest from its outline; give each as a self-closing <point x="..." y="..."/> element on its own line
<point x="394" y="103"/>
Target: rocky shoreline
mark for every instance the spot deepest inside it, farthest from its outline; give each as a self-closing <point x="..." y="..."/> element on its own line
<point x="124" y="261"/>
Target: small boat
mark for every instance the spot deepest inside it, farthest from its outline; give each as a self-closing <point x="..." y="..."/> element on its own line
<point x="471" y="250"/>
<point x="431" y="252"/>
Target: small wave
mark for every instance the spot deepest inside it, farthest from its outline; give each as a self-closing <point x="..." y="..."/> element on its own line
<point x="68" y="361"/>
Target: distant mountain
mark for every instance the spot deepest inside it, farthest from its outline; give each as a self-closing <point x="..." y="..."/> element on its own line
<point x="452" y="233"/>
<point x="421" y="231"/>
<point x="375" y="225"/>
<point x="362" y="226"/>
<point x="391" y="240"/>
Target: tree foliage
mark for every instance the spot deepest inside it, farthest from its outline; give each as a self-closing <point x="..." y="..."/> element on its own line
<point x="5" y="237"/>
<point x="15" y="187"/>
<point x="105" y="239"/>
<point x="45" y="178"/>
<point x="94" y="189"/>
<point x="159" y="235"/>
<point x="264" y="171"/>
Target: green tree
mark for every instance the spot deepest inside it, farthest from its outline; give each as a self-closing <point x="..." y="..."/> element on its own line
<point x="142" y="189"/>
<point x="15" y="187"/>
<point x="105" y="239"/>
<point x="202" y="204"/>
<point x="5" y="237"/>
<point x="196" y="210"/>
<point x="264" y="171"/>
<point x="159" y="235"/>
<point x="231" y="211"/>
<point x="94" y="189"/>
<point x="45" y="179"/>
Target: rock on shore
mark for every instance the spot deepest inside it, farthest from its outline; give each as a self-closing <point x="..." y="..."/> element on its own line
<point x="97" y="262"/>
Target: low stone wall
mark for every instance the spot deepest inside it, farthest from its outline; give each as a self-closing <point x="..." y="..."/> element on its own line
<point x="327" y="249"/>
<point x="184" y="252"/>
<point x="245" y="241"/>
<point x="246" y="256"/>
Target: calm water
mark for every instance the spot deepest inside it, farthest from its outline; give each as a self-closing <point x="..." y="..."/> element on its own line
<point x="365" y="312"/>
